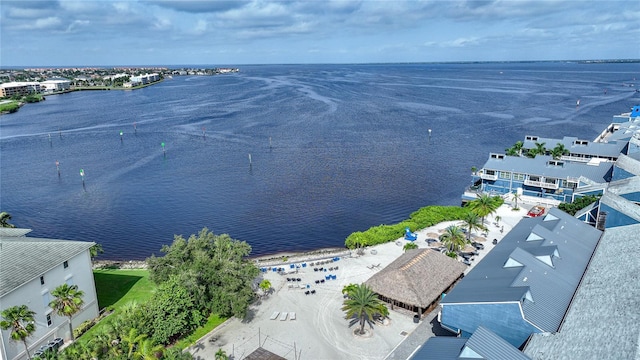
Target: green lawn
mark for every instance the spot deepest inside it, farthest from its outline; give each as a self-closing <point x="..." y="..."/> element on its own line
<point x="118" y="287"/>
<point x="115" y="288"/>
<point x="211" y="324"/>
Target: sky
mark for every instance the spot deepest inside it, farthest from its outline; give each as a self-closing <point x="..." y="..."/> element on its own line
<point x="236" y="32"/>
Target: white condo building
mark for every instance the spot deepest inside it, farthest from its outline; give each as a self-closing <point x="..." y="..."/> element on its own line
<point x="30" y="268"/>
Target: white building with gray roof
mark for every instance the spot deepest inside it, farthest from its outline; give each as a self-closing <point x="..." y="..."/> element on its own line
<point x="30" y="268"/>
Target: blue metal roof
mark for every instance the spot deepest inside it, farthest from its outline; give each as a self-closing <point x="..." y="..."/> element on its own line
<point x="579" y="146"/>
<point x="550" y="285"/>
<point x="440" y="348"/>
<point x="539" y="166"/>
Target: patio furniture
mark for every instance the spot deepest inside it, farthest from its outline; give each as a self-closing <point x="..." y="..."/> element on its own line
<point x="283" y="316"/>
<point x="292" y="316"/>
<point x="274" y="315"/>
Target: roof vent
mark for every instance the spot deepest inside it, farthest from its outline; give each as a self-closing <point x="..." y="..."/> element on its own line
<point x="545" y="259"/>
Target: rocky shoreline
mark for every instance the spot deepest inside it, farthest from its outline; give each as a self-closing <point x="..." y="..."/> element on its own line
<point x="260" y="261"/>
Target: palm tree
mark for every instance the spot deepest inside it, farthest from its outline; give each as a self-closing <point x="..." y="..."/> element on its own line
<point x="20" y="320"/>
<point x="146" y="350"/>
<point x="133" y="338"/>
<point x="453" y="238"/>
<point x="484" y="205"/>
<point x="518" y="147"/>
<point x="95" y="250"/>
<point x="409" y="246"/>
<point x="516" y="197"/>
<point x="4" y="220"/>
<point x="67" y="302"/>
<point x="511" y="151"/>
<point x="221" y="355"/>
<point x="363" y="304"/>
<point x="472" y="222"/>
<point x="540" y="149"/>
<point x="558" y="151"/>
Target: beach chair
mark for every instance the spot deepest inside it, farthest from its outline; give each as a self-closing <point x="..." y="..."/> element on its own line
<point x="274" y="315"/>
<point x="283" y="316"/>
<point x="292" y="316"/>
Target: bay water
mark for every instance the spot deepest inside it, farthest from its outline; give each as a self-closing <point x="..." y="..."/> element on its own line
<point x="285" y="157"/>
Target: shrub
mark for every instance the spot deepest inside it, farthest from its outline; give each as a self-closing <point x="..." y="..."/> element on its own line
<point x="420" y="219"/>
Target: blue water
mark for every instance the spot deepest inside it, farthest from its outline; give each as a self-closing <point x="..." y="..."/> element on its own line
<point x="349" y="148"/>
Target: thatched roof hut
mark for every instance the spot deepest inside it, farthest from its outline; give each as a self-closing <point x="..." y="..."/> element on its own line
<point x="416" y="279"/>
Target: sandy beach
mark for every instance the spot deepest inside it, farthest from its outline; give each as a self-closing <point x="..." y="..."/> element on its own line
<point x="314" y="327"/>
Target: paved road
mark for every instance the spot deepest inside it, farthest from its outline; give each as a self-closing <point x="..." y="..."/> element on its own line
<point x="429" y="327"/>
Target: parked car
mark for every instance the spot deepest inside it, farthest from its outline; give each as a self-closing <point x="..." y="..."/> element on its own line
<point x="477" y="245"/>
<point x="466" y="262"/>
<point x="431" y="241"/>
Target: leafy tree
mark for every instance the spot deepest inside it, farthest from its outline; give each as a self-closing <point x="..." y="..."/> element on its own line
<point x="410" y="246"/>
<point x="214" y="267"/>
<point x="472" y="222"/>
<point x="95" y="250"/>
<point x="19" y="319"/>
<point x="171" y="312"/>
<point x="4" y="220"/>
<point x="453" y="238"/>
<point x="265" y="286"/>
<point x="578" y="204"/>
<point x="363" y="304"/>
<point x="485" y="205"/>
<point x="67" y="302"/>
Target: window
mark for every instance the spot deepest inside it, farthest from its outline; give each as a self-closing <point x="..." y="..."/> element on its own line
<point x="518" y="177"/>
<point x="42" y="280"/>
<point x="65" y="264"/>
<point x="504" y="175"/>
<point x="49" y="322"/>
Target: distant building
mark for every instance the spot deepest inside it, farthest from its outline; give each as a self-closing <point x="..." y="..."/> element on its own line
<point x="543" y="177"/>
<point x="18" y="88"/>
<point x="526" y="283"/>
<point x="145" y="79"/>
<point x="56" y="85"/>
<point x="30" y="268"/>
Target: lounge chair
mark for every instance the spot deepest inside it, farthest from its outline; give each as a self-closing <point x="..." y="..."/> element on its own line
<point x="292" y="316"/>
<point x="313" y="292"/>
<point x="274" y="315"/>
<point x="307" y="292"/>
<point x="283" y="316"/>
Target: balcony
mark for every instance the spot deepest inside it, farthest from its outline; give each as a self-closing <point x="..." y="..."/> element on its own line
<point x="485" y="176"/>
<point x="542" y="184"/>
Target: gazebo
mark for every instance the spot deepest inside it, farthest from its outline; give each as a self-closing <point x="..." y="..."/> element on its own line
<point x="416" y="280"/>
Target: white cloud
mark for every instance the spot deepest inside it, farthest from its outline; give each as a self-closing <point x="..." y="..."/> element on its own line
<point x="76" y="24"/>
<point x="50" y="22"/>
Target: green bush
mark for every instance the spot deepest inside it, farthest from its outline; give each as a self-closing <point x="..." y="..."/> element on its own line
<point x="9" y="107"/>
<point x="578" y="204"/>
<point x="420" y="219"/>
<point x="83" y="328"/>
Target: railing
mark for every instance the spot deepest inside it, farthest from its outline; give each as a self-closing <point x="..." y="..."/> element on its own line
<point x="541" y="184"/>
<point x="489" y="177"/>
<point x="574" y="158"/>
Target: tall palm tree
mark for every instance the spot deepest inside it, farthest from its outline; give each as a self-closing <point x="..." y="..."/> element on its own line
<point x="67" y="302"/>
<point x="472" y="222"/>
<point x="363" y="304"/>
<point x="453" y="238"/>
<point x="516" y="197"/>
<point x="221" y="355"/>
<point x="484" y="205"/>
<point x="20" y="320"/>
<point x="4" y="220"/>
<point x="518" y="147"/>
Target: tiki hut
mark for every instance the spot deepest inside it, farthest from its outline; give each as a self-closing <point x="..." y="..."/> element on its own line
<point x="416" y="280"/>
